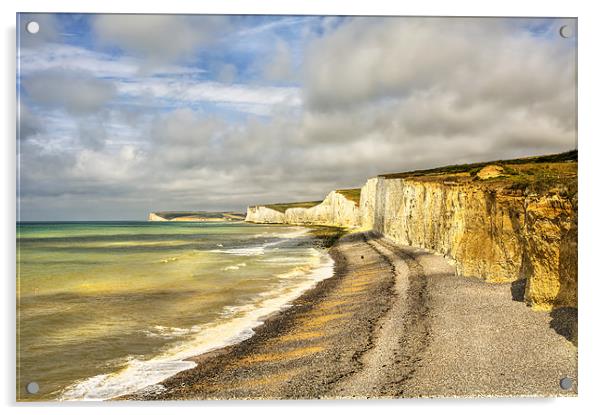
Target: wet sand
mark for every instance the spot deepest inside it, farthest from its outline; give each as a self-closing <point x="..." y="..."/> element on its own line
<point x="392" y="322"/>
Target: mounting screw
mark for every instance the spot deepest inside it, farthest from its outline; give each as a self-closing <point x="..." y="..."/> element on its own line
<point x="33" y="388"/>
<point x="566" y="383"/>
<point x="33" y="27"/>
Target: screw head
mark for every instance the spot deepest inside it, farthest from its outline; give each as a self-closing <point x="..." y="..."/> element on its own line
<point x="33" y="388"/>
<point x="33" y="27"/>
<point x="566" y="383"/>
<point x="566" y="31"/>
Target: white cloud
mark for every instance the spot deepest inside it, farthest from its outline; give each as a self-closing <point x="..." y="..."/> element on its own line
<point x="280" y="66"/>
<point x="266" y="27"/>
<point x="119" y="167"/>
<point x="193" y="91"/>
<point x="102" y="65"/>
<point x="72" y="58"/>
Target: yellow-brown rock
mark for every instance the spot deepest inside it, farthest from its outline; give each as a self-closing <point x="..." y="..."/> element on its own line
<point x="491" y="230"/>
<point x="489" y="172"/>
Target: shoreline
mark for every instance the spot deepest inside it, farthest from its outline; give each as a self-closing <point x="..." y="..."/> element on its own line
<point x="274" y="326"/>
<point x="180" y="357"/>
<point x="322" y="238"/>
<point x="385" y="325"/>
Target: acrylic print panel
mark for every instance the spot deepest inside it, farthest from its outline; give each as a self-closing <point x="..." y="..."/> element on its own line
<point x="284" y="207"/>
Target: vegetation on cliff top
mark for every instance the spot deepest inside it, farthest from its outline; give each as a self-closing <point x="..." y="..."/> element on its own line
<point x="351" y="194"/>
<point x="282" y="207"/>
<point x="530" y="174"/>
<point x="199" y="215"/>
<point x="473" y="168"/>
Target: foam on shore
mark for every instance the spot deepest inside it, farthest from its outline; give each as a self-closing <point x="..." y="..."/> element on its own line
<point x="236" y="325"/>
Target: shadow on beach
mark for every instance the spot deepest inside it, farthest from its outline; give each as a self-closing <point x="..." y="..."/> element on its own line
<point x="564" y="322"/>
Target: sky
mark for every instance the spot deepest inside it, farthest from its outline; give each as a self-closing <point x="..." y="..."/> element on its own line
<point x="121" y="115"/>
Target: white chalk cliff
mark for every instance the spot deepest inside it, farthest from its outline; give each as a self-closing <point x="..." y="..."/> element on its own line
<point x="491" y="231"/>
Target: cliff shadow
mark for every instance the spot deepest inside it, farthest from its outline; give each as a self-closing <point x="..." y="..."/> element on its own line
<point x="564" y="322"/>
<point x="517" y="288"/>
<point x="416" y="250"/>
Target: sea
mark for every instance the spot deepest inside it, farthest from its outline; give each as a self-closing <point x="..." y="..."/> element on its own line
<point x="109" y="308"/>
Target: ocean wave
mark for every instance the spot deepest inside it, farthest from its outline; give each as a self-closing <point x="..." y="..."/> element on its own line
<point x="259" y="250"/>
<point x="237" y="323"/>
<point x="167" y="332"/>
<point x="166" y="260"/>
<point x="235" y="267"/>
<point x="249" y="251"/>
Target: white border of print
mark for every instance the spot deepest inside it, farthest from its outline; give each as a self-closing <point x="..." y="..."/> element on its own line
<point x="590" y="199"/>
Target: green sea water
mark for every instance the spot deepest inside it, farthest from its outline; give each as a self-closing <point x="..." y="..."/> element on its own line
<point x="107" y="308"/>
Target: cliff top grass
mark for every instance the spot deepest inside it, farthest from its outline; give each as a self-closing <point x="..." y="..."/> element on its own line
<point x="282" y="207"/>
<point x="351" y="194"/>
<point x="473" y="168"/>
<point x="530" y="174"/>
<point x="200" y="215"/>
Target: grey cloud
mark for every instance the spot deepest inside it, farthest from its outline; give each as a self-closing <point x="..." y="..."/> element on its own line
<point x="451" y="90"/>
<point x="381" y="95"/>
<point x="159" y="39"/>
<point x="91" y="133"/>
<point x="28" y="124"/>
<point x="373" y="58"/>
<point x="75" y="91"/>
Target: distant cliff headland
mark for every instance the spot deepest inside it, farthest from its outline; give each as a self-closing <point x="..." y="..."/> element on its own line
<point x="502" y="221"/>
<point x="200" y="216"/>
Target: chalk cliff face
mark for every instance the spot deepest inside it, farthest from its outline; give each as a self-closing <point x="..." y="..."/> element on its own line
<point x="368" y="203"/>
<point x="194" y="216"/>
<point x="335" y="210"/>
<point x="499" y="235"/>
<point x="491" y="222"/>
<point x="262" y="214"/>
<point x="152" y="217"/>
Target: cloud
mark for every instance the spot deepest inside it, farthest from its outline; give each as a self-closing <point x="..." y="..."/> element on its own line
<point x="270" y="26"/>
<point x="103" y="65"/>
<point x="480" y="88"/>
<point x="92" y="133"/>
<point x="191" y="91"/>
<point x="280" y="66"/>
<point x="62" y="57"/>
<point x="158" y="39"/>
<point x="227" y="73"/>
<point x="78" y="92"/>
<point x="368" y="59"/>
<point x="27" y="124"/>
<point x="375" y="95"/>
